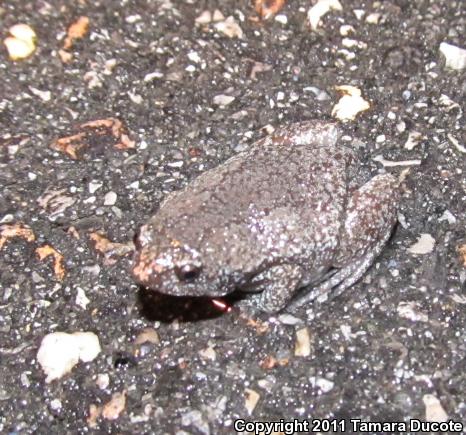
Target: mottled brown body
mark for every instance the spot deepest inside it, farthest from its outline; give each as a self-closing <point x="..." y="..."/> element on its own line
<point x="285" y="214"/>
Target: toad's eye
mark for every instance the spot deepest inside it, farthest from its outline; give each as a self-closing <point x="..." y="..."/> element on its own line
<point x="187" y="272"/>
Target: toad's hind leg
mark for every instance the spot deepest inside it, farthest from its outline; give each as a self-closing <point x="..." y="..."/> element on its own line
<point x="370" y="217"/>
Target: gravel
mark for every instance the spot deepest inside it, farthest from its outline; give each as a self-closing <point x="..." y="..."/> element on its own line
<point x="113" y="111"/>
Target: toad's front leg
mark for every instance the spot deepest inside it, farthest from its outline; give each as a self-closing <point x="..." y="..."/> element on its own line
<point x="277" y="286"/>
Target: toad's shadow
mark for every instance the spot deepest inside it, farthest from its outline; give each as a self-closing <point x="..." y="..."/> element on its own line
<point x="155" y="306"/>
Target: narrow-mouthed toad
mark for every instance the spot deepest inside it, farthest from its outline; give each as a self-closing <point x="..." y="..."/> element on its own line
<point x="287" y="219"/>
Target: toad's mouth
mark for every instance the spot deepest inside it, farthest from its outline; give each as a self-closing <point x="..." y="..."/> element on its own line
<point x="166" y="281"/>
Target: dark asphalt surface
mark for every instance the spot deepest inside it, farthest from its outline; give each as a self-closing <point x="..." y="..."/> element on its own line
<point x="392" y="343"/>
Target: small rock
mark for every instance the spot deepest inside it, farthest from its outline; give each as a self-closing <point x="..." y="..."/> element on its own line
<point x="346" y="30"/>
<point x="381" y="138"/>
<point x="251" y="399"/>
<point x="449" y="104"/>
<point x="319" y="94"/>
<point x="135" y="98"/>
<point x="414" y="139"/>
<point x="411" y="311"/>
<point x="193" y="56"/>
<point x="110" y="198"/>
<point x="353" y="43"/>
<point x="94" y="414"/>
<point x="373" y="18"/>
<point x="217" y="16"/>
<point x="456" y="144"/>
<point x="147" y="335"/>
<point x="455" y="57"/>
<point x="321" y="8"/>
<point x="22" y="42"/>
<point x="323" y="384"/>
<point x="208" y="353"/>
<point x="303" y="343"/>
<point x="223" y="100"/>
<point x="350" y="104"/>
<point x="133" y="19"/>
<point x="94" y="186"/>
<point x="424" y="245"/>
<point x="195" y="419"/>
<point x="282" y="19"/>
<point x="359" y="13"/>
<point x="204" y="18"/>
<point x="288" y="319"/>
<point x="462" y="252"/>
<point x="392" y="164"/>
<point x="153" y="75"/>
<point x="45" y="96"/>
<point x="81" y="299"/>
<point x="230" y="28"/>
<point x="448" y="216"/>
<point x="434" y="409"/>
<point x="103" y="380"/>
<point x="55" y="405"/>
<point x="116" y="405"/>
<point x="59" y="352"/>
<point x="346" y="331"/>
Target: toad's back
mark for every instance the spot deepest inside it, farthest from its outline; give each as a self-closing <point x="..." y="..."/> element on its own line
<point x="274" y="202"/>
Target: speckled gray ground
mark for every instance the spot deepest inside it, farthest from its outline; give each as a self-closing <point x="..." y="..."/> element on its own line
<point x="368" y="358"/>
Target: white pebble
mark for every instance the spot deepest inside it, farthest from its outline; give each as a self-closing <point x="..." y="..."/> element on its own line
<point x="323" y="384"/>
<point x="251" y="399"/>
<point x="346" y="30"/>
<point x="455" y="57"/>
<point x="94" y="186"/>
<point x="424" y="245"/>
<point x="45" y="96"/>
<point x="103" y="380"/>
<point x="193" y="56"/>
<point x="288" y="319"/>
<point x="230" y="28"/>
<point x="319" y="10"/>
<point x="153" y="75"/>
<point x="434" y="409"/>
<point x="282" y="19"/>
<point x="448" y="216"/>
<point x="133" y="18"/>
<point x="303" y="343"/>
<point x="22" y="42"/>
<point x="55" y="404"/>
<point x="414" y="139"/>
<point x="81" y="299"/>
<point x="373" y="18"/>
<point x="359" y="13"/>
<point x="59" y="352"/>
<point x="223" y="100"/>
<point x="135" y="98"/>
<point x="350" y="104"/>
<point x="204" y="18"/>
<point x="412" y="311"/>
<point x="110" y="198"/>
